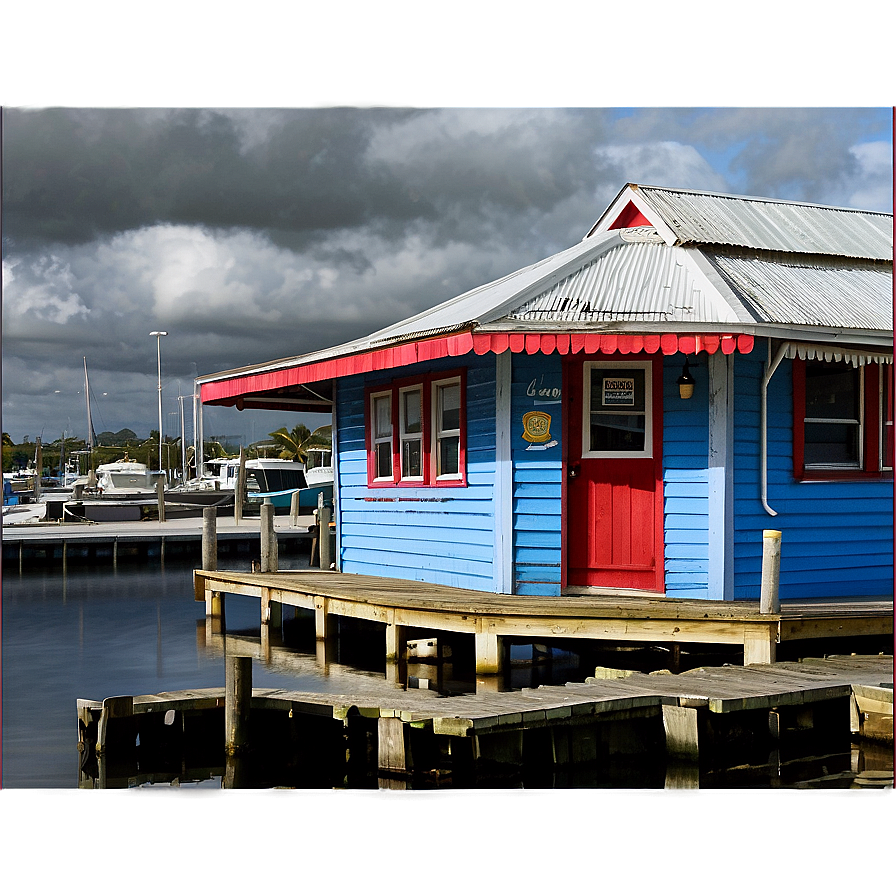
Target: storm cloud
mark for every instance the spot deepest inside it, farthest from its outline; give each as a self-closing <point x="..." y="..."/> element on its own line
<point x="256" y="234"/>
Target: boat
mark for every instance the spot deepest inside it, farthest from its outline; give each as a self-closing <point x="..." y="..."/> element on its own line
<point x="319" y="466"/>
<point x="126" y="478"/>
<point x="273" y="479"/>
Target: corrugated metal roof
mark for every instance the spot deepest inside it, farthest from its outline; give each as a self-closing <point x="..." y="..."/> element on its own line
<point x="772" y="224"/>
<point x="639" y="281"/>
<point x="500" y="296"/>
<point x="856" y="295"/>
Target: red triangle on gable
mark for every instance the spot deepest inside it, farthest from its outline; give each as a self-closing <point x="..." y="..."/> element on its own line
<point x="630" y="216"/>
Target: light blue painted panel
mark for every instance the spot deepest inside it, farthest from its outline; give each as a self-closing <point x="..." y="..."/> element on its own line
<point x="400" y="560"/>
<point x="398" y="545"/>
<point x="414" y="530"/>
<point x="673" y="490"/>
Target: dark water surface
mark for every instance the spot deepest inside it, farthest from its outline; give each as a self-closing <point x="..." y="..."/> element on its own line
<point x="96" y="632"/>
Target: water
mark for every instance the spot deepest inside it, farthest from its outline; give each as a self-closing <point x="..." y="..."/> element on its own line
<point x="94" y="633"/>
<point x="97" y="632"/>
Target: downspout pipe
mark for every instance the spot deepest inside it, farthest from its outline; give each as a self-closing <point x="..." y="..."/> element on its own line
<point x="770" y="368"/>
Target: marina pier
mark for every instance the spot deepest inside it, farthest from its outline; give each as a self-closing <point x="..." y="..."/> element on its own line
<point x="115" y="542"/>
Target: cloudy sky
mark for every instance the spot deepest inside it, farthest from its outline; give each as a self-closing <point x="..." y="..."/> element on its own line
<point x="253" y="234"/>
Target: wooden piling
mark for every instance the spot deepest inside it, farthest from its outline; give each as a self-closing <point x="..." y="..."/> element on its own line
<point x="681" y="726"/>
<point x="237" y="699"/>
<point x="771" y="571"/>
<point x="239" y="493"/>
<point x="268" y="538"/>
<point x="294" y="509"/>
<point x="323" y="533"/>
<point x="210" y="538"/>
<point x="160" y="498"/>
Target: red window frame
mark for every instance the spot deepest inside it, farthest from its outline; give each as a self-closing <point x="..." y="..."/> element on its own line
<point x="876" y="405"/>
<point x="429" y="479"/>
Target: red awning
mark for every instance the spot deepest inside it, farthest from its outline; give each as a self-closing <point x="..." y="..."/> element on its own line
<point x="226" y="391"/>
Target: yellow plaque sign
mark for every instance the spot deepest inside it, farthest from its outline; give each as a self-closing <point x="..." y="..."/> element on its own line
<point x="536" y="426"/>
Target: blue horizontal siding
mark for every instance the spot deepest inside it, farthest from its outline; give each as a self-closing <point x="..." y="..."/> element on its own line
<point x="537" y="480"/>
<point x="685" y="485"/>
<point x="442" y="535"/>
<point x="837" y="537"/>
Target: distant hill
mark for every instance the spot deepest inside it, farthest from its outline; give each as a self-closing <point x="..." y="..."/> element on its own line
<point x="116" y="438"/>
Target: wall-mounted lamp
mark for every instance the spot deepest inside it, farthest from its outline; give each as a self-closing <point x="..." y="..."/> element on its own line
<point x="685" y="382"/>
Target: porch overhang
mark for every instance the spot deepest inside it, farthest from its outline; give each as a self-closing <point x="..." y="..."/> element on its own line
<point x="307" y="385"/>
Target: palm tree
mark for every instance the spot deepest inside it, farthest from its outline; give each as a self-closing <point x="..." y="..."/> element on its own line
<point x="295" y="442"/>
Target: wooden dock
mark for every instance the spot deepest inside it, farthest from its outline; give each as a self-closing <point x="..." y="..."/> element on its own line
<point x="401" y="605"/>
<point x="111" y="542"/>
<point x="683" y="717"/>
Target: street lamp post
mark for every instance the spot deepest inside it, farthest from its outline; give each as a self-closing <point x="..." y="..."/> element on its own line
<point x="159" y="334"/>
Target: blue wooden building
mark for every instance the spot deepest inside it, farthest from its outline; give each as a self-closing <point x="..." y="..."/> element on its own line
<point x="628" y="415"/>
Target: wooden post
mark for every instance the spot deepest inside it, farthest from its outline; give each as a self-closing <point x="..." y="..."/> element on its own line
<point x="160" y="498"/>
<point x="680" y="724"/>
<point x="294" y="509"/>
<point x="392" y="746"/>
<point x="771" y="569"/>
<point x="395" y="643"/>
<point x="237" y="700"/>
<point x="268" y="538"/>
<point x="489" y="653"/>
<point x="321" y="620"/>
<point x="210" y="539"/>
<point x="323" y="532"/>
<point x="239" y="493"/>
<point x="759" y="644"/>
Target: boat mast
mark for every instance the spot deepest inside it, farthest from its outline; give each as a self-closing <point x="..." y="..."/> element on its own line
<point x="89" y="419"/>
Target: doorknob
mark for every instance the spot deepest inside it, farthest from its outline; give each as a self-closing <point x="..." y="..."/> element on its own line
<point x="573" y="471"/>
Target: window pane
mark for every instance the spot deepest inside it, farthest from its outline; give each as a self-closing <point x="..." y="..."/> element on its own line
<point x="617" y="432"/>
<point x="412" y="411"/>
<point x="411" y="458"/>
<point x="449" y="456"/>
<point x="382" y="408"/>
<point x="887" y="415"/>
<point x="832" y="444"/>
<point x="832" y="391"/>
<point x="383" y="455"/>
<point x="449" y="407"/>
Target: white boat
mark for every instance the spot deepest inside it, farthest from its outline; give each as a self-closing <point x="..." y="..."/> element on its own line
<point x="19" y="514"/>
<point x="263" y="476"/>
<point x="126" y="477"/>
<point x="318" y="467"/>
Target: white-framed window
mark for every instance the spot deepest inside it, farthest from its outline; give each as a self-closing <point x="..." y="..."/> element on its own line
<point x="416" y="432"/>
<point x="842" y="420"/>
<point x="833" y="421"/>
<point x="446" y="427"/>
<point x="381" y="436"/>
<point x="886" y="417"/>
<point x="410" y="403"/>
<point x="617" y="409"/>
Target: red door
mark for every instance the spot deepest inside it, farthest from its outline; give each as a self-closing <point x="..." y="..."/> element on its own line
<point x="614" y="494"/>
